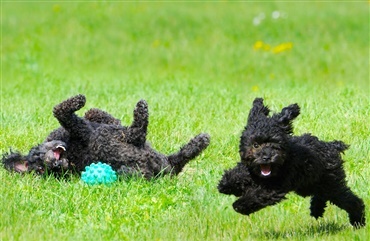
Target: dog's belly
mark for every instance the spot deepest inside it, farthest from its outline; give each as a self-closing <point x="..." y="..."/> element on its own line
<point x="305" y="191"/>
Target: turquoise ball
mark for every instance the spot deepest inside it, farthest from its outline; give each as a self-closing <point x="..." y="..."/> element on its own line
<point x="98" y="173"/>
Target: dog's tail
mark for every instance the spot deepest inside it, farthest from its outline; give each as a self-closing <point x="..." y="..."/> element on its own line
<point x="339" y="145"/>
<point x="188" y="152"/>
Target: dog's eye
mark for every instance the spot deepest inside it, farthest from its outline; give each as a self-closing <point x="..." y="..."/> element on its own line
<point x="256" y="145"/>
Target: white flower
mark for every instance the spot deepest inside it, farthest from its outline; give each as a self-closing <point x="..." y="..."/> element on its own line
<point x="258" y="19"/>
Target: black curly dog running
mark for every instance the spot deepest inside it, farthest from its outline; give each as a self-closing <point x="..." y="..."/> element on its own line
<point x="100" y="137"/>
<point x="273" y="163"/>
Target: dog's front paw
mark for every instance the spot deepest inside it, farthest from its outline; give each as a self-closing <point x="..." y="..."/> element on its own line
<point x="224" y="188"/>
<point x="227" y="187"/>
<point x="235" y="181"/>
<point x="70" y="105"/>
<point x="242" y="207"/>
<point x="77" y="102"/>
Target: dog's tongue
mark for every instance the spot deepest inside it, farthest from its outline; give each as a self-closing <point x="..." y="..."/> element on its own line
<point x="56" y="153"/>
<point x="265" y="169"/>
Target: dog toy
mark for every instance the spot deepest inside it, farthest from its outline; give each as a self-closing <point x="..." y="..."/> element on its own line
<point x="98" y="173"/>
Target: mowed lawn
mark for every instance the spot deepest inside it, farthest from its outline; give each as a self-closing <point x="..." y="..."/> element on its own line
<point x="199" y="65"/>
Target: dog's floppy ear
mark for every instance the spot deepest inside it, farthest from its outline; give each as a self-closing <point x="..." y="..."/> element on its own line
<point x="258" y="110"/>
<point x="14" y="161"/>
<point x="285" y="117"/>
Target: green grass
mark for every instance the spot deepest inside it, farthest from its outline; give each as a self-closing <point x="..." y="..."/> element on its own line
<point x="196" y="66"/>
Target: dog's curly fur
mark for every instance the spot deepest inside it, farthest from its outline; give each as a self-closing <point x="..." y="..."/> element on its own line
<point x="274" y="163"/>
<point x="101" y="137"/>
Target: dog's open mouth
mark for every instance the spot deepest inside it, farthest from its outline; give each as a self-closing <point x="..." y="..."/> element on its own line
<point x="58" y="151"/>
<point x="265" y="169"/>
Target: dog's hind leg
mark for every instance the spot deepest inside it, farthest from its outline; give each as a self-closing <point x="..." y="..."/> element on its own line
<point x="318" y="205"/>
<point x="353" y="205"/>
<point x="188" y="152"/>
<point x="136" y="133"/>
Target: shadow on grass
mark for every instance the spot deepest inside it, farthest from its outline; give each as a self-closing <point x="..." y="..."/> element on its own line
<point x="304" y="232"/>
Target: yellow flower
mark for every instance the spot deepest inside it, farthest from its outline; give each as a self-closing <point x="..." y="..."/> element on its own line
<point x="258" y="45"/>
<point x="282" y="47"/>
<point x="255" y="88"/>
<point x="261" y="45"/>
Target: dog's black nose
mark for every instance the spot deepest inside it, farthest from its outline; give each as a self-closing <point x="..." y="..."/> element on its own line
<point x="57" y="165"/>
<point x="265" y="158"/>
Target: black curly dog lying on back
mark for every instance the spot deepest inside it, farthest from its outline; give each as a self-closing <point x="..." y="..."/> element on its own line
<point x="100" y="137"/>
<point x="273" y="163"/>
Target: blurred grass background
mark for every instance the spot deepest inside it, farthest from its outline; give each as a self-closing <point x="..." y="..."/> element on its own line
<point x="199" y="65"/>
